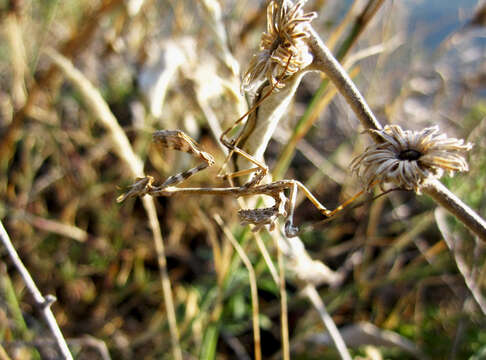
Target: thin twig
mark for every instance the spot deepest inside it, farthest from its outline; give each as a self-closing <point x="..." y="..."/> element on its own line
<point x="312" y="294"/>
<point x="43" y="304"/>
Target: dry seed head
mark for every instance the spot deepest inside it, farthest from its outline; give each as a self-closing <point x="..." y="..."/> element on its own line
<point x="408" y="158"/>
<point x="283" y="47"/>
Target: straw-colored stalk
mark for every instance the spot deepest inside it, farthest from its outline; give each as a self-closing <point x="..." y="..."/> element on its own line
<point x="253" y="286"/>
<point x="122" y="147"/>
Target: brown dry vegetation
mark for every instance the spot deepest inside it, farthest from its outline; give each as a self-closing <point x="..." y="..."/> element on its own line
<point x="61" y="173"/>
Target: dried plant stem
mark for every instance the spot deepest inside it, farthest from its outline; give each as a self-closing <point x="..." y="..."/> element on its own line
<point x="284" y="321"/>
<point x="97" y="105"/>
<point x="253" y="286"/>
<point x="266" y="257"/>
<point x="444" y="197"/>
<point x="43" y="304"/>
<point x="318" y="103"/>
<point x="261" y="125"/>
<point x="326" y="62"/>
<point x="312" y="294"/>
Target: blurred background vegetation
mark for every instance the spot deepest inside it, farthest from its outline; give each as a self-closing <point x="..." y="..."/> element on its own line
<point x="166" y="64"/>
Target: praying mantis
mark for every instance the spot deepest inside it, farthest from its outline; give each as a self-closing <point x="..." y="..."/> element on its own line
<point x="284" y="206"/>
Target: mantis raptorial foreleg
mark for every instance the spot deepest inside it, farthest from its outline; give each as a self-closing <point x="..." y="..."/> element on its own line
<point x="178" y="140"/>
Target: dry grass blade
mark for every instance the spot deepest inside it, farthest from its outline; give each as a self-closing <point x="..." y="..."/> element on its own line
<point x="331" y="327"/>
<point x="253" y="286"/>
<point x="266" y="257"/>
<point x="284" y="320"/>
<point x="96" y="104"/>
<point x="13" y="33"/>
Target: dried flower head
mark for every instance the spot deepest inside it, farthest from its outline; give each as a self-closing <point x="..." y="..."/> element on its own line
<point x="283" y="47"/>
<point x="408" y="158"/>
